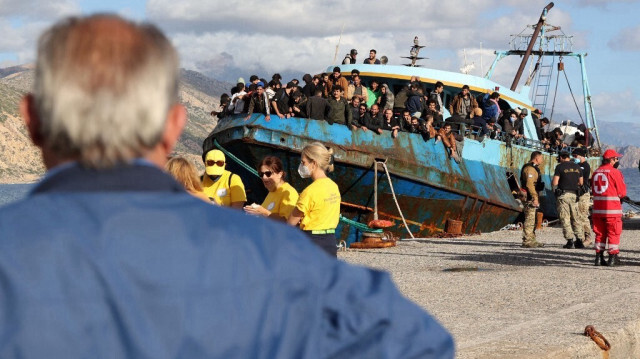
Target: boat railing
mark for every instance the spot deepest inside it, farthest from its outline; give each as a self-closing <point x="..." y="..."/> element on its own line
<point x="475" y="133"/>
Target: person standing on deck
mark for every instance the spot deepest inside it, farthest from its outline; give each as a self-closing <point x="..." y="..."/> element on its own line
<point x="608" y="188"/>
<point x="371" y="60"/>
<point x="259" y="103"/>
<point x="531" y="179"/>
<point x="567" y="180"/>
<point x="337" y="80"/>
<point x="584" y="201"/>
<point x="350" y="59"/>
<point x="340" y="110"/>
<point x="463" y="104"/>
<point x="436" y="95"/>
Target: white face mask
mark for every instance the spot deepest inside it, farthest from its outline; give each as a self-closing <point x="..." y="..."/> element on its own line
<point x="304" y="171"/>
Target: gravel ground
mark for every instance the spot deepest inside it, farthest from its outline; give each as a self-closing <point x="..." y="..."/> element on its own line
<point x="500" y="300"/>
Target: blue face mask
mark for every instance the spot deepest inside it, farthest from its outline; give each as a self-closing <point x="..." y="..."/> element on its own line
<point x="575" y="160"/>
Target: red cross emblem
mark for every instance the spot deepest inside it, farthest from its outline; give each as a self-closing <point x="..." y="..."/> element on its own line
<point x="600" y="183"/>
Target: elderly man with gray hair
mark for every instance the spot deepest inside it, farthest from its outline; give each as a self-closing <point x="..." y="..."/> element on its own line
<point x="110" y="257"/>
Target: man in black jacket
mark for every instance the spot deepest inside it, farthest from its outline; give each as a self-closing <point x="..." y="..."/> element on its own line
<point x="317" y="107"/>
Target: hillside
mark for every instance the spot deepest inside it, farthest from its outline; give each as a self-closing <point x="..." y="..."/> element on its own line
<point x="630" y="156"/>
<point x="21" y="162"/>
<point x="619" y="134"/>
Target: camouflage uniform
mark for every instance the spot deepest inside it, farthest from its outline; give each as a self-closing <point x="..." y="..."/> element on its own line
<point x="583" y="217"/>
<point x="572" y="225"/>
<point x="529" y="178"/>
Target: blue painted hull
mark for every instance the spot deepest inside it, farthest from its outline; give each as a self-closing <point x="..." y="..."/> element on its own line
<point x="430" y="186"/>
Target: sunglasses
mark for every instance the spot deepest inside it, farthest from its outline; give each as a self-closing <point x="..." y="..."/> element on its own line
<point x="217" y="163"/>
<point x="265" y="173"/>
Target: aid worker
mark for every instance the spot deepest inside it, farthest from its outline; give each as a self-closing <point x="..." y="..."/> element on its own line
<point x="608" y="188"/>
<point x="318" y="208"/>
<point x="282" y="197"/>
<point x="221" y="186"/>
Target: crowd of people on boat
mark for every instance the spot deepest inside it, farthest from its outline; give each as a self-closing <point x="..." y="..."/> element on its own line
<point x="414" y="108"/>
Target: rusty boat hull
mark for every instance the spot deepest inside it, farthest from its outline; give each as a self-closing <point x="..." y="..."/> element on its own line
<point x="429" y="185"/>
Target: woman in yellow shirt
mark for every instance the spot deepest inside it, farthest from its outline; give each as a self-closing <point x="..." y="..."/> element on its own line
<point x="318" y="208"/>
<point x="282" y="198"/>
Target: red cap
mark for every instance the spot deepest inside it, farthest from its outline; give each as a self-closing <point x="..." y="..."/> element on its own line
<point x="610" y="153"/>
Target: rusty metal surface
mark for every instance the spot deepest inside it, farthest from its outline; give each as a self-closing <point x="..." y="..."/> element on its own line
<point x="430" y="186"/>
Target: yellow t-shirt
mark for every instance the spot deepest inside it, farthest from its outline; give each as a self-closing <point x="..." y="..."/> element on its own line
<point x="224" y="191"/>
<point x="281" y="201"/>
<point x="320" y="204"/>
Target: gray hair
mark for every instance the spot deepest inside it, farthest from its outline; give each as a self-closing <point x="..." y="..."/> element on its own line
<point x="103" y="88"/>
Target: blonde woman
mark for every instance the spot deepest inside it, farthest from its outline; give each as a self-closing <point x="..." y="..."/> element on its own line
<point x="282" y="198"/>
<point x="318" y="208"/>
<point x="185" y="173"/>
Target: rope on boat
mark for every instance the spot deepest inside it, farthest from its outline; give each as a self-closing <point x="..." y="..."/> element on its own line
<point x="395" y="199"/>
<point x="229" y="154"/>
<point x="361" y="226"/>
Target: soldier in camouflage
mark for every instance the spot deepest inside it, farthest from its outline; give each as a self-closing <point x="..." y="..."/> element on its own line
<point x="531" y="180"/>
<point x="584" y="200"/>
<point x="567" y="181"/>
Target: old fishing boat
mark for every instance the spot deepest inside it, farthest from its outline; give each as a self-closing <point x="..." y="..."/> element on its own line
<point x="429" y="186"/>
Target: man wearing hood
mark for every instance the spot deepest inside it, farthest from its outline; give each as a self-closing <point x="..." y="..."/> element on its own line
<point x="222" y="186"/>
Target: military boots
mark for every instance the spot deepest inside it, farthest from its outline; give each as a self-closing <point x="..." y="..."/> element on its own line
<point x="614" y="261"/>
<point x="569" y="244"/>
<point x="578" y="244"/>
<point x="600" y="261"/>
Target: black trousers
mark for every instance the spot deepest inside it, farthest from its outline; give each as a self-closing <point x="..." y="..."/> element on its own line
<point x="325" y="241"/>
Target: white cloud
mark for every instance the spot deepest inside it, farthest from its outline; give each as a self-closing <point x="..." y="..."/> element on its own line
<point x="302" y="36"/>
<point x="39" y="9"/>
<point x="603" y="3"/>
<point x="626" y="40"/>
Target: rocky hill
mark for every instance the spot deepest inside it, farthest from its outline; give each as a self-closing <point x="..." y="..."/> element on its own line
<point x="630" y="156"/>
<point x="21" y="162"/>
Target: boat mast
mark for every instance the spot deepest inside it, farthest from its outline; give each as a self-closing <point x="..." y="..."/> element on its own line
<point x="525" y="59"/>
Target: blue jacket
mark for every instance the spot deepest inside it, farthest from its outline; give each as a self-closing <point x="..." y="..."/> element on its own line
<point x="414" y="102"/>
<point x="489" y="109"/>
<point x="124" y="263"/>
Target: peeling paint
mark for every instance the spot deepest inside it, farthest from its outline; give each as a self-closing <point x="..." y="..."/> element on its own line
<point x="430" y="186"/>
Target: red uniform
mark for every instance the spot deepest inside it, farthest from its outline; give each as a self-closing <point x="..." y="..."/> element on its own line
<point x="607" y="186"/>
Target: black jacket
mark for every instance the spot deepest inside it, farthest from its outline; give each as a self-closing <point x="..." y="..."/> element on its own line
<point x="317" y="108"/>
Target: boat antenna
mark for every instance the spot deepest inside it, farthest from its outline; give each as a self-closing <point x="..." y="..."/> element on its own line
<point x="466" y="67"/>
<point x="525" y="59"/>
<point x="338" y="45"/>
<point x="481" y="66"/>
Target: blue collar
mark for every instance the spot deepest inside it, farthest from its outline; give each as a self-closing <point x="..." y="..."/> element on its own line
<point x="136" y="176"/>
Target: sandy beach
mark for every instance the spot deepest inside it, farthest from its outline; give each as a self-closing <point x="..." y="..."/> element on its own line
<point x="500" y="300"/>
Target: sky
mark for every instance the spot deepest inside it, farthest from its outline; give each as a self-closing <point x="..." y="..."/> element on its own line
<point x="227" y="39"/>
